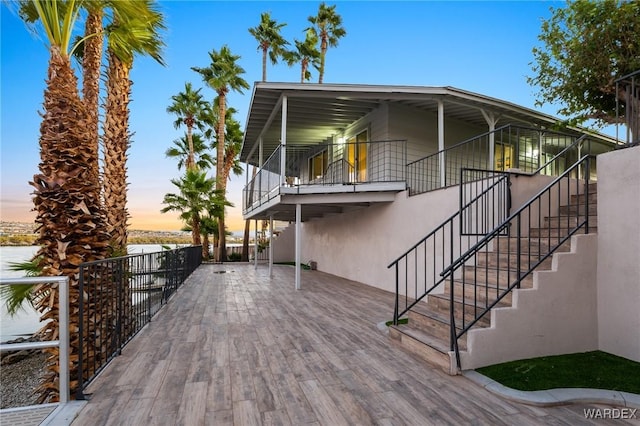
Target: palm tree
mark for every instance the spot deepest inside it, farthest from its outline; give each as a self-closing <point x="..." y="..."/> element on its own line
<point x="134" y="30"/>
<point x="306" y="54"/>
<point x="222" y="75"/>
<point x="267" y="33"/>
<point x="70" y="221"/>
<point x="196" y="196"/>
<point x="327" y="26"/>
<point x="181" y="151"/>
<point x="188" y="107"/>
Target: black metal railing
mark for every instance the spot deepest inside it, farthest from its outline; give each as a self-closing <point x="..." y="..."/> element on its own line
<point x="505" y="148"/>
<point x="327" y="164"/>
<point x="121" y="295"/>
<point x="628" y="111"/>
<point x="489" y="270"/>
<point x="420" y="268"/>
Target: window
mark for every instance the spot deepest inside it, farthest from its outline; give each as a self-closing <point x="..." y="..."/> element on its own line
<point x="318" y="165"/>
<point x="357" y="157"/>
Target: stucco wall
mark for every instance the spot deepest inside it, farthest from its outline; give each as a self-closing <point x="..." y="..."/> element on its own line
<point x="619" y="252"/>
<point x="359" y="245"/>
<point x="554" y="317"/>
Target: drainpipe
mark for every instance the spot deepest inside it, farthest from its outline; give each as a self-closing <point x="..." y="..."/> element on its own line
<point x="283" y="141"/>
<point x="441" y="159"/>
<point x="298" y="242"/>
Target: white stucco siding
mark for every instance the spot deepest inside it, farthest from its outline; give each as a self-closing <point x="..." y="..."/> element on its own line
<point x="360" y="244"/>
<point x="619" y="253"/>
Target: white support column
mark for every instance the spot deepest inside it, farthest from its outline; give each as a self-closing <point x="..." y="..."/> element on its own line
<point x="491" y="120"/>
<point x="255" y="247"/>
<point x="441" y="158"/>
<point x="260" y="153"/>
<point x="270" y="246"/>
<point x="283" y="142"/>
<point x="298" y="242"/>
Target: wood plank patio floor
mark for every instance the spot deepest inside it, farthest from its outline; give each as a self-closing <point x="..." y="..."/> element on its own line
<point x="240" y="348"/>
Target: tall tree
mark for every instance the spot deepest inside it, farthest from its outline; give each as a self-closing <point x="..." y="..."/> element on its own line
<point x="188" y="106"/>
<point x="222" y="75"/>
<point x="327" y="26"/>
<point x="182" y="152"/>
<point x="135" y="30"/>
<point x="270" y="42"/>
<point x="587" y="45"/>
<point x="306" y="54"/>
<point x="197" y="196"/>
<point x="69" y="218"/>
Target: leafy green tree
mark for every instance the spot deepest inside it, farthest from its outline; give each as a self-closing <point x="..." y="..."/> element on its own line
<point x="188" y="107"/>
<point x="306" y="54"/>
<point x="222" y="75"/>
<point x="270" y="42"/>
<point x="182" y="152"/>
<point x="587" y="45"/>
<point x="327" y="26"/>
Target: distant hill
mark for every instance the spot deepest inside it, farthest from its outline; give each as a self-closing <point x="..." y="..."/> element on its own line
<point x="23" y="234"/>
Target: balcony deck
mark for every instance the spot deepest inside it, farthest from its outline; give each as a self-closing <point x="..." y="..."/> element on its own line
<point x="240" y="348"/>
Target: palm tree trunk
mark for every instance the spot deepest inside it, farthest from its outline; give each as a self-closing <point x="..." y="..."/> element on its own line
<point x="191" y="162"/>
<point x="264" y="64"/>
<point x="323" y="52"/>
<point x="303" y="70"/>
<point x="220" y="181"/>
<point x="116" y="141"/>
<point x="70" y="221"/>
<point x="91" y="65"/>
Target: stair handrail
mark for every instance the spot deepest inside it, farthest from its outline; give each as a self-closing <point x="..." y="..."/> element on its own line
<point x="501" y="226"/>
<point x="519" y="276"/>
<point x="504" y="176"/>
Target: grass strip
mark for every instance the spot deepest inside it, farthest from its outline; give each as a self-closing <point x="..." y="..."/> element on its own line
<point x="596" y="370"/>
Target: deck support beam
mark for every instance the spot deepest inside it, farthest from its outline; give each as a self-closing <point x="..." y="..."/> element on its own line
<point x="283" y="143"/>
<point x="491" y="120"/>
<point x="271" y="246"/>
<point x="298" y="242"/>
<point x="255" y="247"/>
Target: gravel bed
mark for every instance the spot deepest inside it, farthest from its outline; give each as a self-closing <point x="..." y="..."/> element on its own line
<point x="19" y="379"/>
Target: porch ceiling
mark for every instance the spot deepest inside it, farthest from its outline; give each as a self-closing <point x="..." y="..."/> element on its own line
<point x="315" y="112"/>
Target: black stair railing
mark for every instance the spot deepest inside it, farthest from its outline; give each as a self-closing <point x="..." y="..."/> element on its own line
<point x="489" y="270"/>
<point x="420" y="267"/>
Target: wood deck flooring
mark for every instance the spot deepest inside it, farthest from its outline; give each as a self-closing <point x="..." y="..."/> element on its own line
<point x="240" y="348"/>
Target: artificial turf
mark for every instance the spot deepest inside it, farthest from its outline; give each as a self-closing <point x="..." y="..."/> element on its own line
<point x="597" y="370"/>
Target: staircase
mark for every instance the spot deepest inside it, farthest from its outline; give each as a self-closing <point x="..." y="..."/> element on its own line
<point x="428" y="332"/>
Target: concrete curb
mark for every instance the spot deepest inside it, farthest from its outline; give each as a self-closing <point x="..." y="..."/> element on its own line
<point x="552" y="397"/>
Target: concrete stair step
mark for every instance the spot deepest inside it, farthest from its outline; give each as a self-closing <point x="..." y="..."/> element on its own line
<point x="557" y="232"/>
<point x="493" y="276"/>
<point x="580" y="198"/>
<point x="439" y="304"/>
<point x="568" y="220"/>
<point x="435" y="324"/>
<point x="574" y="209"/>
<point x="510" y="260"/>
<point x="482" y="293"/>
<point x="529" y="245"/>
<point x="421" y="344"/>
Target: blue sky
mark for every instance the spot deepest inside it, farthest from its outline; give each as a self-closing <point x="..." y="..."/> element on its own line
<point x="482" y="47"/>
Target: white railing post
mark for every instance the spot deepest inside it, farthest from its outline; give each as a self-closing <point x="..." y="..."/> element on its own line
<point x="63" y="323"/>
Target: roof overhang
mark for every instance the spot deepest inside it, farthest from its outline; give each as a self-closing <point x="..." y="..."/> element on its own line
<point x="316" y="112"/>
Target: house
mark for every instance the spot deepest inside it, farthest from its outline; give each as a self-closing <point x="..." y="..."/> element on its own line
<point x="393" y="186"/>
